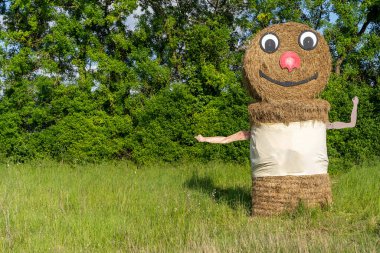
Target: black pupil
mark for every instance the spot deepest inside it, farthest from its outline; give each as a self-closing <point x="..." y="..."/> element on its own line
<point x="308" y="43"/>
<point x="270" y="45"/>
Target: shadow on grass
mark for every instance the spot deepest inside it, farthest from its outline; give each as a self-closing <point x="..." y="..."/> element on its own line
<point x="233" y="196"/>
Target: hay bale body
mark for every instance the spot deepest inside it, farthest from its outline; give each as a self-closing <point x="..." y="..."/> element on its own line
<point x="276" y="195"/>
<point x="287" y="95"/>
<point x="297" y="149"/>
<point x="289" y="111"/>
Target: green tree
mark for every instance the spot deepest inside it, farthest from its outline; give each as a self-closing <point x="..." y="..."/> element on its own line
<point x="78" y="83"/>
<point x="354" y="40"/>
<point x="59" y="59"/>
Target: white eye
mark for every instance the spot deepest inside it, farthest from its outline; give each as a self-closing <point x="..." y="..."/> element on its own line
<point x="269" y="43"/>
<point x="308" y="40"/>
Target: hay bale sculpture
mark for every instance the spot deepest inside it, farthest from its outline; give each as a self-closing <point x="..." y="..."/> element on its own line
<point x="286" y="66"/>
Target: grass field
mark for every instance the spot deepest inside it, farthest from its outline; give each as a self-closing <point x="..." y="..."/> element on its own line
<point x="116" y="207"/>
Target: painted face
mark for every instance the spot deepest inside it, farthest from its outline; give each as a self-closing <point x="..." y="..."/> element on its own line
<point x="286" y="62"/>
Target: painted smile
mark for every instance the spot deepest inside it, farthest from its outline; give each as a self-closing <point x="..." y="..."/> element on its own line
<point x="288" y="83"/>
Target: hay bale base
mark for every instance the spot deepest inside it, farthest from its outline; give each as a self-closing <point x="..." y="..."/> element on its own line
<point x="279" y="194"/>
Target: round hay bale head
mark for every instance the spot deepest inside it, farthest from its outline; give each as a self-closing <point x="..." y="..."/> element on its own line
<point x="286" y="62"/>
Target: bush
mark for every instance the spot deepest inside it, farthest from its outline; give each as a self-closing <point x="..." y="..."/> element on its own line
<point x="353" y="145"/>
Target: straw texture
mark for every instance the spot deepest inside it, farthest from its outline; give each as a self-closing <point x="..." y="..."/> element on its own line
<point x="313" y="62"/>
<point x="289" y="111"/>
<point x="276" y="195"/>
<point x="286" y="93"/>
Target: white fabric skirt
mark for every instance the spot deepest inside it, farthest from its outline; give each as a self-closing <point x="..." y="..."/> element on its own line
<point x="298" y="148"/>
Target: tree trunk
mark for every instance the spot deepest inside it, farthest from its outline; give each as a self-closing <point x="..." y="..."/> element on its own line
<point x="338" y="65"/>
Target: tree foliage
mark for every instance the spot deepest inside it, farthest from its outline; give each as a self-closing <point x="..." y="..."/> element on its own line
<point x="127" y="79"/>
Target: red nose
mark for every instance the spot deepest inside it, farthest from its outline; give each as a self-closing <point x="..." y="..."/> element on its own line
<point x="290" y="60"/>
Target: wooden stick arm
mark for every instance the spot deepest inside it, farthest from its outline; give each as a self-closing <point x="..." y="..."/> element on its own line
<point x="239" y="136"/>
<point x="341" y="125"/>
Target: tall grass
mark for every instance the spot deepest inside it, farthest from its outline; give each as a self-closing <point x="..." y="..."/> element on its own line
<point x="117" y="207"/>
